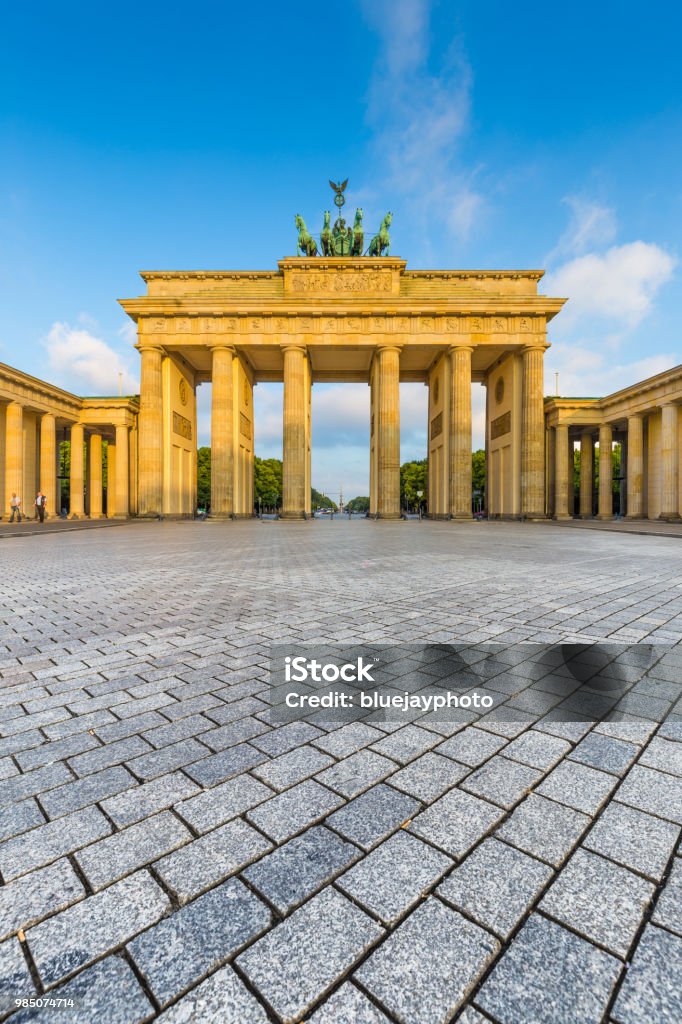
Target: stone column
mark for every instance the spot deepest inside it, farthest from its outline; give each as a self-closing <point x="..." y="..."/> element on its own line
<point x="122" y="471"/>
<point x="222" y="433"/>
<point x="533" y="434"/>
<point x="14" y="458"/>
<point x="586" y="474"/>
<point x="95" y="476"/>
<point x="112" y="497"/>
<point x="388" y="436"/>
<point x="460" y="432"/>
<point x="48" y="464"/>
<point x="563" y="490"/>
<point x="605" y="472"/>
<point x="150" y="422"/>
<point x="77" y="477"/>
<point x="670" y="462"/>
<point x="635" y="468"/>
<point x="295" y="412"/>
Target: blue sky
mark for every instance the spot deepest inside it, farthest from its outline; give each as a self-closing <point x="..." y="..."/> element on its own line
<point x="501" y="135"/>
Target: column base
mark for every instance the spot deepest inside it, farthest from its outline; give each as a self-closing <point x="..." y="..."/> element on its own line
<point x="585" y="515"/>
<point x="605" y="518"/>
<point x="673" y="517"/>
<point x="388" y="515"/>
<point x="534" y="517"/>
<point x="101" y="516"/>
<point x="562" y="517"/>
<point x="74" y="515"/>
<point x="634" y="518"/>
<point x="461" y="518"/>
<point x="119" y="516"/>
<point x="222" y="516"/>
<point x="295" y="516"/>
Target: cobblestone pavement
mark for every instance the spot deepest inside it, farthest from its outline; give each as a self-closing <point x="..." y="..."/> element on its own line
<point x="167" y="852"/>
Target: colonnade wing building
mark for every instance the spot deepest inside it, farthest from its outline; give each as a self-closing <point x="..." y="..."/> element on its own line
<point x="344" y="319"/>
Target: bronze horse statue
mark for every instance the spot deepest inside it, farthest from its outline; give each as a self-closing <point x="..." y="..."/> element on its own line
<point x="358" y="242"/>
<point x="326" y="236"/>
<point x="381" y="243"/>
<point x="306" y="243"/>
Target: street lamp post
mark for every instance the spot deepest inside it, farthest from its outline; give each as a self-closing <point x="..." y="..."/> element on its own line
<point x="420" y="495"/>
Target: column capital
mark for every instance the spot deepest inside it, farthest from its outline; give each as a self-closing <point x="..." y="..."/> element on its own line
<point x="294" y="346"/>
<point x="461" y="346"/>
<point x="671" y="404"/>
<point x="223" y="346"/>
<point x="389" y="346"/>
<point x="535" y="346"/>
<point x="148" y="346"/>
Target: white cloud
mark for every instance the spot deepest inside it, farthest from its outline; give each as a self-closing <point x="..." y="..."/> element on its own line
<point x="618" y="285"/>
<point x="86" y="364"/>
<point x="591" y="225"/>
<point x="421" y="117"/>
<point x="587" y="373"/>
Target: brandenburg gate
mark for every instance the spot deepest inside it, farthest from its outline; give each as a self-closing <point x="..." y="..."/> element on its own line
<point x="342" y="318"/>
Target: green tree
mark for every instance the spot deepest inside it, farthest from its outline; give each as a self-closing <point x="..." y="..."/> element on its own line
<point x="478" y="470"/>
<point x="360" y="504"/>
<point x="204" y="478"/>
<point x="268" y="482"/>
<point x="413" y="478"/>
<point x="319" y="500"/>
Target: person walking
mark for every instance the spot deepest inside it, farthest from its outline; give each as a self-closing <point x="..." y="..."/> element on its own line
<point x="15" y="507"/>
<point x="41" y="501"/>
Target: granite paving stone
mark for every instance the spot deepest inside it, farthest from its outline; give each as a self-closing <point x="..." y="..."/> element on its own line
<point x="33" y="783"/>
<point x="210" y="859"/>
<point x="371" y="817"/>
<point x="549" y="975"/>
<point x="148" y="798"/>
<point x="578" y="786"/>
<point x="111" y="753"/>
<point x="650" y="993"/>
<point x="456" y="822"/>
<point x="225" y="765"/>
<point x="214" y="807"/>
<point x="55" y="750"/>
<point x="78" y="936"/>
<point x="49" y="842"/>
<point x="123" y="852"/>
<point x="166" y="759"/>
<point x="299" y="961"/>
<point x="90" y="789"/>
<point x="288" y="813"/>
<point x="655" y="792"/>
<point x="295" y="766"/>
<point x="395" y="876"/>
<point x="19" y="817"/>
<point x="221" y="999"/>
<point x="472" y="746"/>
<point x="502" y="781"/>
<point x="599" y="899"/>
<point x="107" y="992"/>
<point x="537" y="749"/>
<point x="30" y="898"/>
<point x="543" y="828"/>
<point x="407" y="743"/>
<point x="357" y="773"/>
<point x="15" y="978"/>
<point x="294" y="872"/>
<point x="286" y="738"/>
<point x="634" y="839"/>
<point x="668" y="909"/>
<point x="348" y="739"/>
<point x="348" y="1005"/>
<point x="119" y="729"/>
<point x="664" y="755"/>
<point x="182" y="729"/>
<point x="424" y="971"/>
<point x="496" y="885"/>
<point x="181" y="950"/>
<point x="235" y="732"/>
<point x="605" y="752"/>
<point x="429" y="776"/>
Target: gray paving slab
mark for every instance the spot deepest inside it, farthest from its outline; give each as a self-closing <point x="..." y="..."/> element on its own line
<point x="29" y="899"/>
<point x="472" y="746"/>
<point x="348" y="1005"/>
<point x="228" y="800"/>
<point x="652" y="985"/>
<point x="664" y="755"/>
<point x="578" y="786"/>
<point x="123" y="852"/>
<point x="600" y="900"/>
<point x="293" y="767"/>
<point x="181" y="950"/>
<point x="428" y="966"/>
<point x="208" y="860"/>
<point x="76" y="937"/>
<point x="394" y="876"/>
<point x="652" y="791"/>
<point x="49" y="842"/>
<point x="502" y="781"/>
<point x="146" y="799"/>
<point x="429" y="776"/>
<point x="545" y="829"/>
<point x="88" y="790"/>
<point x="456" y="822"/>
<point x="537" y="749"/>
<point x="668" y="910"/>
<point x="15" y="978"/>
<point x="496" y="885"/>
<point x="371" y="817"/>
<point x="294" y="872"/>
<point x="289" y="813"/>
<point x="299" y="961"/>
<point x="634" y="839"/>
<point x="357" y="773"/>
<point x="221" y="999"/>
<point x="548" y="975"/>
<point x="605" y="752"/>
